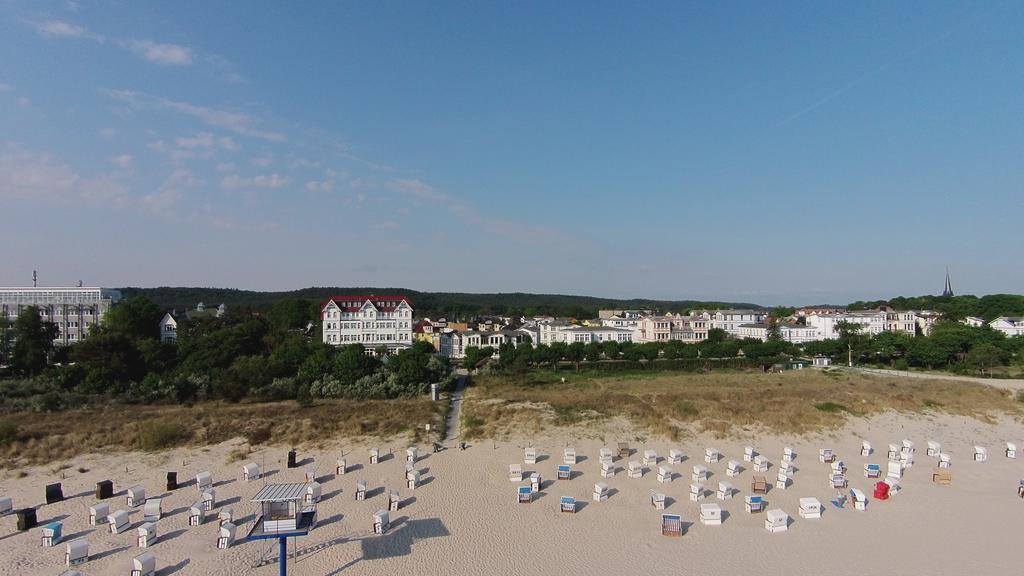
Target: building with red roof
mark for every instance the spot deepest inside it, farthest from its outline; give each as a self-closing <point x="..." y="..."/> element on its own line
<point x="372" y="321"/>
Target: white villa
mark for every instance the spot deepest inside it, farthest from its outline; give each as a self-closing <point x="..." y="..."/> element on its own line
<point x="169" y="329"/>
<point x="794" y="333"/>
<point x="368" y="320"/>
<point x="1009" y="325"/>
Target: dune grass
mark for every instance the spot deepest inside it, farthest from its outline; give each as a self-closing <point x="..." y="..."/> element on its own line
<point x="720" y="403"/>
<point x="39" y="438"/>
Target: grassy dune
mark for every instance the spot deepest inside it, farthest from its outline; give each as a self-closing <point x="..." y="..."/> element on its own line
<point x="720" y="403"/>
<point x="48" y="437"/>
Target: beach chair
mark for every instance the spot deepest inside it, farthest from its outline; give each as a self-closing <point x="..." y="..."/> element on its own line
<point x="658" y="500"/>
<point x="147" y="535"/>
<point x="530" y="455"/>
<point x="623" y="449"/>
<point x="786" y="467"/>
<point x="872" y="471"/>
<point x="153" y="510"/>
<point x="980" y="454"/>
<point x="942" y="476"/>
<point x="664" y="474"/>
<point x="381" y="522"/>
<point x="839" y="481"/>
<point x="782" y="480"/>
<point x="860" y="501"/>
<point x="725" y="491"/>
<point x="225" y="515"/>
<point x="761" y="464"/>
<point x="535" y="482"/>
<point x="826" y="456"/>
<point x="944" y="460"/>
<point x="361" y="490"/>
<point x="394" y="501"/>
<point x="54" y="493"/>
<point x="204" y="481"/>
<point x="341" y="467"/>
<point x="933" y="448"/>
<point x="311" y="473"/>
<point x="6" y="505"/>
<point x="712" y="455"/>
<point x="759" y="485"/>
<point x="76" y="552"/>
<point x="894" y="470"/>
<point x="26" y="519"/>
<point x="753" y="504"/>
<point x="907" y="459"/>
<point x="144" y="564"/>
<point x="788" y="455"/>
<point x="209" y="499"/>
<point x="894" y="452"/>
<point x="196" y="514"/>
<point x="250" y="472"/>
<point x="118" y="522"/>
<point x="569" y="456"/>
<point x="411" y="454"/>
<point x="700" y="473"/>
<point x="1011" y="450"/>
<point x="412" y="479"/>
<point x="650" y="458"/>
<point x="676" y="456"/>
<point x="564" y="472"/>
<point x="50" y="534"/>
<point x="313" y="491"/>
<point x="227" y="536"/>
<point x="881" y="491"/>
<point x="634" y="470"/>
<point x="98" y="513"/>
<point x="865" y="448"/>
<point x="907" y="447"/>
<point x="525" y="494"/>
<point x="600" y="492"/>
<point x="607" y="470"/>
<point x="733" y="469"/>
<point x="696" y="492"/>
<point x="136" y="496"/>
<point x="748" y="454"/>
<point x="515" y="473"/>
<point x="567" y="504"/>
<point x="838" y="467"/>
<point x="172" y="481"/>
<point x="104" y="489"/>
<point x="776" y="521"/>
<point x="605" y="456"/>
<point x="710" y="514"/>
<point x="374" y="455"/>
<point x="671" y="525"/>
<point x="810" y="508"/>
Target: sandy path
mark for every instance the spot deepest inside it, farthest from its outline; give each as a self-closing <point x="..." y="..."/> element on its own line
<point x="1006" y="383"/>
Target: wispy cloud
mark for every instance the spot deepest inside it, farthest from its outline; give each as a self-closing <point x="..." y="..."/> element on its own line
<point x="169" y="54"/>
<point x="6" y="87"/>
<point x="233" y="121"/>
<point x="234" y="181"/>
<point x="123" y="161"/>
<point x="62" y="29"/>
<point x="27" y="175"/>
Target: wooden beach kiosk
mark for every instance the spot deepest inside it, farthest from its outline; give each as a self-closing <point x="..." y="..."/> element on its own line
<point x="76" y="552"/>
<point x="144" y="564"/>
<point x="671" y="525"/>
<point x="282" y="515"/>
<point x="711" y="514"/>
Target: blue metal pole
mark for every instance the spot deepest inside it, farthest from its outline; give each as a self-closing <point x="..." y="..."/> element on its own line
<point x="282" y="567"/>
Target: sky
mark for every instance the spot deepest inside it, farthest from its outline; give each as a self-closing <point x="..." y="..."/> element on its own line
<point x="775" y="153"/>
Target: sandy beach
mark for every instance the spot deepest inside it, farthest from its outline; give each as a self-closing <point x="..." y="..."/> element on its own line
<point x="464" y="518"/>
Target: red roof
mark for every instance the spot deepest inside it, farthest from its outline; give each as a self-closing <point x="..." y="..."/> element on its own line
<point x="355" y="303"/>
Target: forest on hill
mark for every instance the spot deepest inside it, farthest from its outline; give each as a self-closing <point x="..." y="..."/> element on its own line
<point x="955" y="307"/>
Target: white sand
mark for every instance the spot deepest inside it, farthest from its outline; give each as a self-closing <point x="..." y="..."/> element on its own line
<point x="465" y="519"/>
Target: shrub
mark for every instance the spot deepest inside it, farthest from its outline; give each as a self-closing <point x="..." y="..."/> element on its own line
<point x="831" y="407"/>
<point x="8" y="432"/>
<point x="258" y="434"/>
<point x="161" y="434"/>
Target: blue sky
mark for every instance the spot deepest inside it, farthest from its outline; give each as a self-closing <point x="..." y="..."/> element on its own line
<point x="769" y="152"/>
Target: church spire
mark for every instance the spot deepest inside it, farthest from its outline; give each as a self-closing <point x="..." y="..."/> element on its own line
<point x="948" y="290"/>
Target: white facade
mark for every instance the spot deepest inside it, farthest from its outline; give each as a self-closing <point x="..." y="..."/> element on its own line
<point x="731" y="320"/>
<point x="872" y="322"/>
<point x="368" y="320"/>
<point x="75" y="311"/>
<point x="794" y="333"/>
<point x="458" y="342"/>
<point x="168" y="329"/>
<point x="687" y="329"/>
<point x="1009" y="325"/>
<point x="588" y="334"/>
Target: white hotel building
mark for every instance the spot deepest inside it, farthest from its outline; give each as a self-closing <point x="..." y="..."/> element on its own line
<point x="372" y="321"/>
<point x="75" y="310"/>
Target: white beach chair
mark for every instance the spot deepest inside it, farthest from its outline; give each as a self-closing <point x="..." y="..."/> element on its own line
<point x="209" y="499"/>
<point x="144" y="564"/>
<point x="980" y="454"/>
<point x="515" y="473"/>
<point x="676" y="456"/>
<point x="635" y="470"/>
<point x="865" y="448"/>
<point x="98" y="513"/>
<point x="204" y="481"/>
<point x="411" y="454"/>
<point x="412" y="479"/>
<point x="907" y="459"/>
<point x="725" y="491"/>
<point x="664" y="474"/>
<point x="894" y="470"/>
<point x="838" y="467"/>
<point x="733" y="469"/>
<point x="341" y="467"/>
<point x="839" y="481"/>
<point x="712" y="455"/>
<point x="225" y="515"/>
<point x="118" y="522"/>
<point x="908" y="447"/>
<point x="711" y="514"/>
<point x="788" y="455"/>
<point x="136" y="496"/>
<point x="250" y="472"/>
<point x="658" y="500"/>
<point x="535" y="482"/>
<point x="76" y="552"/>
<point x="826" y="456"/>
<point x="894" y="452"/>
<point x="147" y="535"/>
<point x="227" y="536"/>
<point x="600" y="492"/>
<point x="696" y="492"/>
<point x="810" y="508"/>
<point x="311" y="473"/>
<point x="933" y="448"/>
<point x="605" y="456"/>
<point x="860" y="501"/>
<point x="894" y="485"/>
<point x="1011" y="450"/>
<point x="700" y="473"/>
<point x="782" y="480"/>
<point x="650" y="458"/>
<point x="6" y="505"/>
<point x="196" y="514"/>
<point x="569" y="456"/>
<point x="381" y="522"/>
<point x="748" y="454"/>
<point x="374" y="455"/>
<point x="153" y="510"/>
<point x="313" y="491"/>
<point x="761" y="464"/>
<point x="944" y="460"/>
<point x="607" y="470"/>
<point x="786" y="467"/>
<point x="394" y="501"/>
<point x="776" y="521"/>
<point x="361" y="490"/>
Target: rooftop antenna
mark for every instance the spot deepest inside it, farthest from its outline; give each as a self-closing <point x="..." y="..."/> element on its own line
<point x="35" y="279"/>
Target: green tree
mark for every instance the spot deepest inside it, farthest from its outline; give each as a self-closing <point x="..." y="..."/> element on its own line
<point x="290" y="314"/>
<point x="136" y="318"/>
<point x="33" y="342"/>
<point x="592" y="352"/>
<point x="984" y="356"/>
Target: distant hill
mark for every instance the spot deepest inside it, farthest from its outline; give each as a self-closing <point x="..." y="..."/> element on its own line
<point x="433" y="304"/>
<point x="956" y="307"/>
